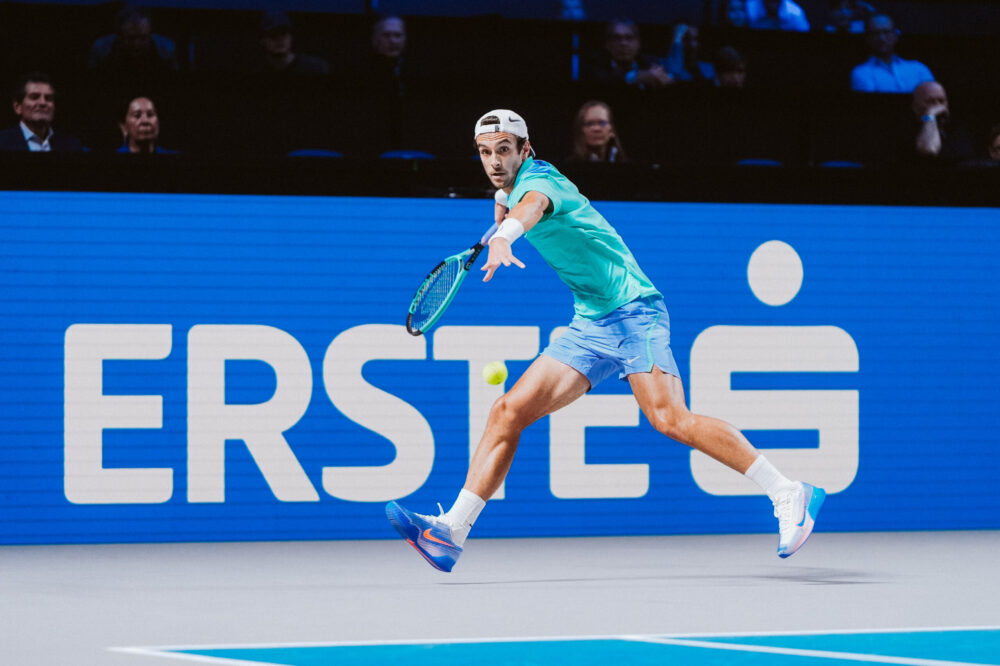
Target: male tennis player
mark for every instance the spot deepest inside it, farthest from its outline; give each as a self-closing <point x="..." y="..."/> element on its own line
<point x="621" y="325"/>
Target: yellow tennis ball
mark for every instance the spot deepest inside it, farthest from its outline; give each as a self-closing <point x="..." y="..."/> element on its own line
<point x="495" y="372"/>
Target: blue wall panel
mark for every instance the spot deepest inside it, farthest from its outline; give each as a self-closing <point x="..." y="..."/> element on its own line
<point x="314" y="280"/>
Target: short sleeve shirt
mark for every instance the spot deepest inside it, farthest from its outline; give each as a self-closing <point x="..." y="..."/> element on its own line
<point x="580" y="245"/>
<point x="899" y="76"/>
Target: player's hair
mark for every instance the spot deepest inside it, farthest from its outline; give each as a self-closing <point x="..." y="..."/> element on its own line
<point x="613" y="152"/>
<point x="21" y="89"/>
<point x="494" y="120"/>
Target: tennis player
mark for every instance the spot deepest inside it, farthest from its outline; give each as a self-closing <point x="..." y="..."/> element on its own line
<point x="620" y="326"/>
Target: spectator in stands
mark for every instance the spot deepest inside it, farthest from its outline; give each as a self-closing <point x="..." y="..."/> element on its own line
<point x="35" y="104"/>
<point x="388" y="79"/>
<point x="884" y="71"/>
<point x="141" y="128"/>
<point x="622" y="62"/>
<point x="594" y="136"/>
<point x="684" y="62"/>
<point x="278" y="44"/>
<point x="932" y="136"/>
<point x="730" y="68"/>
<point x="776" y="15"/>
<point x="389" y="37"/>
<point x="134" y="51"/>
<point x="848" y="16"/>
<point x="389" y="66"/>
<point x="735" y="13"/>
<point x="993" y="147"/>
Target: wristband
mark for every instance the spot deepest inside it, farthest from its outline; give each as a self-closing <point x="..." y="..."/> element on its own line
<point x="500" y="197"/>
<point x="929" y="119"/>
<point x="510" y="230"/>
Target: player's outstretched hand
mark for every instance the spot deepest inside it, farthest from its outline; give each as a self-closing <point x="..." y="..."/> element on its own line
<point x="500" y="253"/>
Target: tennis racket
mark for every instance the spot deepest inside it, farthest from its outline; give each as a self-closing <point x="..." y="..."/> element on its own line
<point x="440" y="286"/>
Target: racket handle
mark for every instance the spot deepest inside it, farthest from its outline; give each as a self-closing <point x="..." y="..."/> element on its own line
<point x="489" y="234"/>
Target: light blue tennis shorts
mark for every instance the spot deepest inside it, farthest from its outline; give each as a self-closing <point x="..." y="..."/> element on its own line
<point x="633" y="338"/>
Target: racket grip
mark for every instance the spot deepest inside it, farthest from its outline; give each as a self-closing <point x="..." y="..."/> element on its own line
<point x="489" y="234"/>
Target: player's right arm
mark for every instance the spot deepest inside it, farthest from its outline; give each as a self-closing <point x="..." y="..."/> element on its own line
<point x="528" y="211"/>
<point x="500" y="209"/>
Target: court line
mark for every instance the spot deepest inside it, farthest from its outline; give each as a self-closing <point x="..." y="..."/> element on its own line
<point x="204" y="659"/>
<point x="798" y="652"/>
<point x="529" y="639"/>
<point x="826" y="632"/>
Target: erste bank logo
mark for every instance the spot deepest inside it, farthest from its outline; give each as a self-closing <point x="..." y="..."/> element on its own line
<point x="775" y="276"/>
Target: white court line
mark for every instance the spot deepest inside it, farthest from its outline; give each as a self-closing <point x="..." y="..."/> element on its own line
<point x="830" y="632"/>
<point x="819" y="654"/>
<point x="156" y="652"/>
<point x="529" y="639"/>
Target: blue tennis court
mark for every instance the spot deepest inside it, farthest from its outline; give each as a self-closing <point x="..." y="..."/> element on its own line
<point x="917" y="647"/>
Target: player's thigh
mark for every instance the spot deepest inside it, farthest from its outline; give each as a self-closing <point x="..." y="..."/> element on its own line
<point x="547" y="385"/>
<point x="660" y="396"/>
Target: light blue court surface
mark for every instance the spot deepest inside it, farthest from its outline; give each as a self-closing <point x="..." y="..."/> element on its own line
<point x="938" y="647"/>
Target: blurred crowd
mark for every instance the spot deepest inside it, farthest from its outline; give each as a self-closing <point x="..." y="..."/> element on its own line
<point x="134" y="58"/>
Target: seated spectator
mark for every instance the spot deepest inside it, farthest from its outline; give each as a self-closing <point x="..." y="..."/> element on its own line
<point x="734" y="13"/>
<point x="133" y="51"/>
<point x="389" y="69"/>
<point x="848" y="16"/>
<point x="884" y="71"/>
<point x="993" y="147"/>
<point x="141" y="128"/>
<point x="389" y="76"/>
<point x="776" y="15"/>
<point x="35" y="104"/>
<point x="594" y="136"/>
<point x="730" y="68"/>
<point x="683" y="61"/>
<point x="622" y="62"/>
<point x="931" y="134"/>
<point x="279" y="54"/>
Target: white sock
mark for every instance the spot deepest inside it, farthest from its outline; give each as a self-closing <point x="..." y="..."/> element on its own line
<point x="765" y="475"/>
<point x="463" y="514"/>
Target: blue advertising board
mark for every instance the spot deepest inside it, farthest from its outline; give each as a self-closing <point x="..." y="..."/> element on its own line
<point x="231" y="367"/>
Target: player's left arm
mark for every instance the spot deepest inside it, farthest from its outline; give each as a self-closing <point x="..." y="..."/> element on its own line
<point x="528" y="211"/>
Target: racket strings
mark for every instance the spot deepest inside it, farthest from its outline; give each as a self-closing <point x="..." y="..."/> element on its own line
<point x="434" y="293"/>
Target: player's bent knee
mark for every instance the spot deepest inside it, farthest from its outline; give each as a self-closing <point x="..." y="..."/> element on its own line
<point x="673" y="423"/>
<point x="503" y="413"/>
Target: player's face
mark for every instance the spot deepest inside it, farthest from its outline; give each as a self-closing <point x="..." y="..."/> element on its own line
<point x="38" y="105"/>
<point x="500" y="158"/>
<point x="142" y="124"/>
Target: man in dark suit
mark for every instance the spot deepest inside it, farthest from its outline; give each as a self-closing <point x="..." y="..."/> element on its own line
<point x="622" y="63"/>
<point x="35" y="104"/>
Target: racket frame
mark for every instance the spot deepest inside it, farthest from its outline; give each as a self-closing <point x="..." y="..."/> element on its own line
<point x="468" y="258"/>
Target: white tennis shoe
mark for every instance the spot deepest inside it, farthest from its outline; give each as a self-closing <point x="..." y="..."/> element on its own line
<point x="796" y="510"/>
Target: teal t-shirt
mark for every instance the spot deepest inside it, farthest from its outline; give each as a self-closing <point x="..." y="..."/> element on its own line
<point x="575" y="240"/>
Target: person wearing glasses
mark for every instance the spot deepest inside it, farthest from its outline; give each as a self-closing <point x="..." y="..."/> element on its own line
<point x="623" y="63"/>
<point x="884" y="71"/>
<point x="594" y="136"/>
